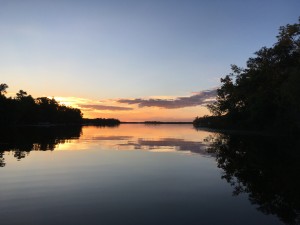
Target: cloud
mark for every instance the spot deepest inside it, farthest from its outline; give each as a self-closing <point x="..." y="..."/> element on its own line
<point x="198" y="98"/>
<point x="105" y="107"/>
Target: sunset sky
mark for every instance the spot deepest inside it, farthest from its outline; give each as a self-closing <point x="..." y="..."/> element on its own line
<point x="134" y="60"/>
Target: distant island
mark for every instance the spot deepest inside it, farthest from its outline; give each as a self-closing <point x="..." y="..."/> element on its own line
<point x="101" y="122"/>
<point x="265" y="94"/>
<point x="156" y="122"/>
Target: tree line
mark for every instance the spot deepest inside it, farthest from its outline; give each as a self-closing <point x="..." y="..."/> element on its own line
<point x="265" y="94"/>
<point x="110" y="122"/>
<point x="23" y="109"/>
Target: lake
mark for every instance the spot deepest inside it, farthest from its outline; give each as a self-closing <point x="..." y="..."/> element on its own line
<point x="147" y="174"/>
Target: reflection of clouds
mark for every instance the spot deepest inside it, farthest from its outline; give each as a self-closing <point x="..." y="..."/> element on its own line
<point x="170" y="144"/>
<point x="111" y="138"/>
<point x="122" y="142"/>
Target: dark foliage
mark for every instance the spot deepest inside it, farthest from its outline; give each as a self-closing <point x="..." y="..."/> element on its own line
<point x="24" y="109"/>
<point x="264" y="95"/>
<point x="216" y="122"/>
<point x="264" y="167"/>
<point x="101" y="122"/>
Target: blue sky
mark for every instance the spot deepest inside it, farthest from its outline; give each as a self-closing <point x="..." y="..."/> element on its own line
<point x="131" y="49"/>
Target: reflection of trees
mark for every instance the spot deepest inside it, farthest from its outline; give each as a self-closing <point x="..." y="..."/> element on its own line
<point x="2" y="163"/>
<point x="22" y="140"/>
<point x="266" y="168"/>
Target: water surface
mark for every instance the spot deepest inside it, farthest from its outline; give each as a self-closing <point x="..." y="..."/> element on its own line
<point x="146" y="174"/>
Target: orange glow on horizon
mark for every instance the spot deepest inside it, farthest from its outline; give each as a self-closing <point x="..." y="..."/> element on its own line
<point x="126" y="136"/>
<point x="137" y="114"/>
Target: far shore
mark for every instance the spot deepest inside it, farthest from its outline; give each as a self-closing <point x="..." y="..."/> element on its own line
<point x="46" y="124"/>
<point x="204" y="128"/>
<point x="156" y="122"/>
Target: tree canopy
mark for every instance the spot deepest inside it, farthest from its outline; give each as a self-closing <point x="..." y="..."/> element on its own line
<point x="24" y="109"/>
<point x="266" y="93"/>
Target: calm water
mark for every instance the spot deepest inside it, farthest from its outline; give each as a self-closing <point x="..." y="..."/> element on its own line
<point x="146" y="174"/>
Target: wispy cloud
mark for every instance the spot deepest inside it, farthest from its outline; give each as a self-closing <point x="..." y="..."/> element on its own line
<point x="198" y="98"/>
<point x="105" y="107"/>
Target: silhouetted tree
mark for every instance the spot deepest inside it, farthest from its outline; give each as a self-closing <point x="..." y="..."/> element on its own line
<point x="3" y="88"/>
<point x="266" y="93"/>
<point x="24" y="109"/>
<point x="21" y="94"/>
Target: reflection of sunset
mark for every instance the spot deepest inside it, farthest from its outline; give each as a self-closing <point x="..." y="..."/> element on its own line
<point x="146" y="131"/>
<point x="154" y="138"/>
<point x="71" y="145"/>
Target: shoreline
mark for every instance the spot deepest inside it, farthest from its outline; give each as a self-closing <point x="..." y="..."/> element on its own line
<point x="204" y="128"/>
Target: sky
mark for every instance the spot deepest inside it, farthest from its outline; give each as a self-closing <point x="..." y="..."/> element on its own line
<point x="135" y="60"/>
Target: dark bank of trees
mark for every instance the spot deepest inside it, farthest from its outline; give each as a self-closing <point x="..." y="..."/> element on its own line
<point x="101" y="122"/>
<point x="265" y="94"/>
<point x="23" y="109"/>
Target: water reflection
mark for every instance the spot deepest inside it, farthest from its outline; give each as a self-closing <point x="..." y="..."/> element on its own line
<point x="22" y="140"/>
<point x="159" y="138"/>
<point x="266" y="168"/>
<point x="172" y="144"/>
